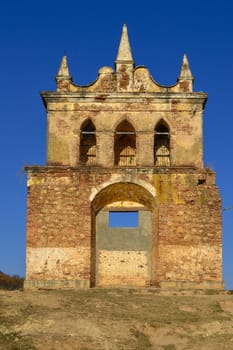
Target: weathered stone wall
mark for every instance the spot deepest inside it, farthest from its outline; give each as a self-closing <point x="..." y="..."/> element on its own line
<point x="58" y="243"/>
<point x="185" y="221"/>
<point x="183" y="115"/>
<point x="123" y="255"/>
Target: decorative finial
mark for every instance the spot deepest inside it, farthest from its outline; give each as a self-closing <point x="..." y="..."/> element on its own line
<point x="124" y="51"/>
<point x="185" y="72"/>
<point x="63" y="72"/>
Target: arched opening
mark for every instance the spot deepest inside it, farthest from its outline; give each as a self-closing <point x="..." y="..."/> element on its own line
<point x="123" y="255"/>
<point x="88" y="143"/>
<point x="162" y="145"/>
<point x="125" y="144"/>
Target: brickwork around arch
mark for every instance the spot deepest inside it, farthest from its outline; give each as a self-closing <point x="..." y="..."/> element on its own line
<point x="122" y="115"/>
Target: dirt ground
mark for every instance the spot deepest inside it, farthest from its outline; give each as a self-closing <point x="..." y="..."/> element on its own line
<point x="116" y="319"/>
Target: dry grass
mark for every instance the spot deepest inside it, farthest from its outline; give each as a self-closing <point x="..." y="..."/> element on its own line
<point x="115" y="319"/>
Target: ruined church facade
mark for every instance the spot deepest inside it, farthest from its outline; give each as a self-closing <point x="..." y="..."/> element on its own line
<point x="123" y="145"/>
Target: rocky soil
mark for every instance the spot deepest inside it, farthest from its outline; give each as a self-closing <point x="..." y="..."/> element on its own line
<point x="116" y="319"/>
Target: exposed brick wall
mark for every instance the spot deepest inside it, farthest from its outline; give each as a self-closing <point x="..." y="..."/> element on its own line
<point x="186" y="222"/>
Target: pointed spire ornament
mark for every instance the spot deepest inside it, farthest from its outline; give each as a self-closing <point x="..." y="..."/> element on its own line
<point x="124" y="63"/>
<point x="185" y="72"/>
<point x="63" y="72"/>
<point x="124" y="51"/>
<point x="63" y="77"/>
<point x="186" y="78"/>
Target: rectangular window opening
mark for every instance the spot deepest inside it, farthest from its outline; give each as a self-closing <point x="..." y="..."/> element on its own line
<point x="123" y="219"/>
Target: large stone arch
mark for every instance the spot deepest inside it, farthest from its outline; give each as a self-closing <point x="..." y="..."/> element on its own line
<point x="146" y="188"/>
<point x="134" y="251"/>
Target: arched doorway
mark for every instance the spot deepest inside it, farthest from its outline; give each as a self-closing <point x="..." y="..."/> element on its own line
<point x="123" y="255"/>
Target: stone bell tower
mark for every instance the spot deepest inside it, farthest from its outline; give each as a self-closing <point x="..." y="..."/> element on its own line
<point x="123" y="146"/>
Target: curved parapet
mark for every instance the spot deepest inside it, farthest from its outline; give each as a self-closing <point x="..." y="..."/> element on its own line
<point x="142" y="81"/>
<point x="125" y="77"/>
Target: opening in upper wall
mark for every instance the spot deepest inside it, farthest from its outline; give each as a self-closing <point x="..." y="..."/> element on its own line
<point x="123" y="219"/>
<point x="162" y="145"/>
<point x="125" y="144"/>
<point x="88" y="143"/>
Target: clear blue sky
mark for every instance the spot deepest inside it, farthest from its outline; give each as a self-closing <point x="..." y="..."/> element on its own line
<point x="35" y="34"/>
